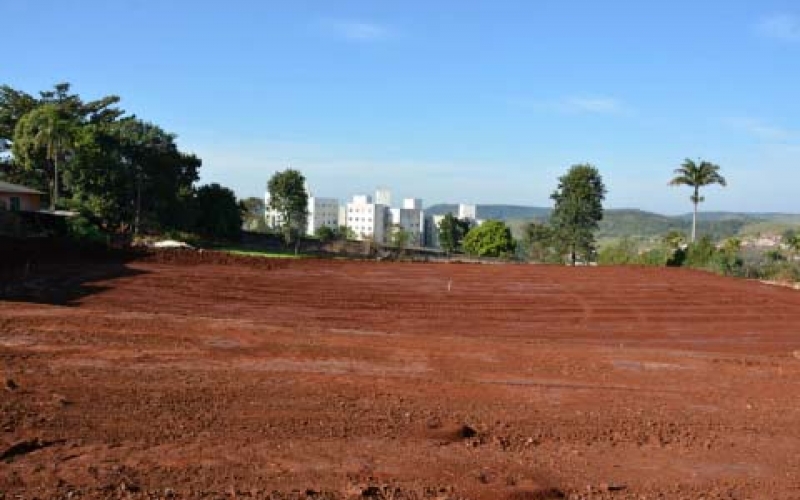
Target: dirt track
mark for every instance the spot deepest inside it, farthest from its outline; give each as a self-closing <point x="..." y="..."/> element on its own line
<point x="328" y="379"/>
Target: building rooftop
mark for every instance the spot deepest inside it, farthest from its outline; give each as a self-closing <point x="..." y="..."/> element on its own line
<point x="7" y="187"/>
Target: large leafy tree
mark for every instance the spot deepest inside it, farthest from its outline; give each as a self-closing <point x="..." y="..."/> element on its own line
<point x="131" y="175"/>
<point x="127" y="172"/>
<point x="218" y="213"/>
<point x="697" y="175"/>
<point x="288" y="197"/>
<point x="490" y="239"/>
<point x="43" y="132"/>
<point x="451" y="232"/>
<point x="578" y="210"/>
<point x="14" y="104"/>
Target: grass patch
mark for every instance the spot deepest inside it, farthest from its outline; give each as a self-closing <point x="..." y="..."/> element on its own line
<point x="260" y="253"/>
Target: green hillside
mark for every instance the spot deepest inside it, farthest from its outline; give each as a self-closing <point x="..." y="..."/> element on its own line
<point x="639" y="224"/>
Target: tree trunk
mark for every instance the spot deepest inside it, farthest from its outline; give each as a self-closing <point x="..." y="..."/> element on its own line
<point x="138" y="203"/>
<point x="54" y="199"/>
<point x="696" y="201"/>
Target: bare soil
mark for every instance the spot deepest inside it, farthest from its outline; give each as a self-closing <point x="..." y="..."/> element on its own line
<point x="198" y="376"/>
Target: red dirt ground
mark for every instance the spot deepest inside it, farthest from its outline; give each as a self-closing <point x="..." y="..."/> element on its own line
<point x="334" y="379"/>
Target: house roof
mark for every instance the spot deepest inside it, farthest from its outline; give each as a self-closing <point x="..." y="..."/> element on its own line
<point x="7" y="187"/>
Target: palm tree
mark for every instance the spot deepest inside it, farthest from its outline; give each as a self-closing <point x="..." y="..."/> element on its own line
<point x="696" y="176"/>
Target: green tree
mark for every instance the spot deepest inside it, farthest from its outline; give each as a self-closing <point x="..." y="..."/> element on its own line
<point x="15" y="105"/>
<point x="539" y="240"/>
<point x="696" y="175"/>
<point x="217" y="213"/>
<point x="325" y="234"/>
<point x="345" y="233"/>
<point x="791" y="240"/>
<point x="253" y="214"/>
<point x="399" y="237"/>
<point x="288" y="197"/>
<point x="674" y="240"/>
<point x="490" y="239"/>
<point x="131" y="174"/>
<point x="42" y="140"/>
<point x="123" y="171"/>
<point x="451" y="232"/>
<point x="578" y="210"/>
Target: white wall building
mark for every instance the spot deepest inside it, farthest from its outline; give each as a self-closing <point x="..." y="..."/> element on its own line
<point x="410" y="218"/>
<point x="322" y="212"/>
<point x="467" y="212"/>
<point x="368" y="220"/>
<point x="383" y="196"/>
<point x="273" y="219"/>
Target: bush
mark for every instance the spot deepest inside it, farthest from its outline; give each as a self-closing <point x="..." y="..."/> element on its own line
<point x="623" y="252"/>
<point x="700" y="254"/>
<point x="82" y="229"/>
<point x="490" y="239"/>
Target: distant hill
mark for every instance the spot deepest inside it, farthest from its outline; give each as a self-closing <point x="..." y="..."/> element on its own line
<point x="619" y="223"/>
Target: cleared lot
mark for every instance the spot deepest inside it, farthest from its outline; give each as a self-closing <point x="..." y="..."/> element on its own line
<point x="333" y="379"/>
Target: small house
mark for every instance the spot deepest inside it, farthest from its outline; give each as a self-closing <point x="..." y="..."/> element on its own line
<point x="19" y="198"/>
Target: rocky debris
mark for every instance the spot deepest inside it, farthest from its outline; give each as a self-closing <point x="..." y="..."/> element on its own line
<point x="10" y="385"/>
<point x="536" y="494"/>
<point x="467" y="432"/>
<point x="23" y="448"/>
<point x="61" y="400"/>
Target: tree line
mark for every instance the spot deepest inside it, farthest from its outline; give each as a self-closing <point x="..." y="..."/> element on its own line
<point x="569" y="235"/>
<point x="577" y="211"/>
<point x="125" y="173"/>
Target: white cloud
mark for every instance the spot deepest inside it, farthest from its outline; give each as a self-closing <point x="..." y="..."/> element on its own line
<point x="762" y="130"/>
<point x="359" y="31"/>
<point x="784" y="27"/>
<point x="584" y="104"/>
<point x="596" y="105"/>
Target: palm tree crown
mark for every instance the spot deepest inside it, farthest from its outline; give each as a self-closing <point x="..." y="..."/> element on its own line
<point x="697" y="175"/>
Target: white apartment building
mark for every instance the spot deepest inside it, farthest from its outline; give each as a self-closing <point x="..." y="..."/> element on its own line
<point x="322" y="212"/>
<point x="468" y="212"/>
<point x="410" y="218"/>
<point x="383" y="196"/>
<point x="367" y="219"/>
<point x="432" y="230"/>
<point x="273" y="218"/>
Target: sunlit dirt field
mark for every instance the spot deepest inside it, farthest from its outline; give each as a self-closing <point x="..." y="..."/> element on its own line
<point x="331" y="379"/>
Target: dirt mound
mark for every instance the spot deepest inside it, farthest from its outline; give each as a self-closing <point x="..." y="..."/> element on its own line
<point x="183" y="256"/>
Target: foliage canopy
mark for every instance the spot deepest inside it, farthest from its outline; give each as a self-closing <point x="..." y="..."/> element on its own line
<point x="490" y="239"/>
<point x="578" y="210"/>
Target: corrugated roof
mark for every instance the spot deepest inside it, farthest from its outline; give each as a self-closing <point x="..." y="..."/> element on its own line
<point x="7" y="187"/>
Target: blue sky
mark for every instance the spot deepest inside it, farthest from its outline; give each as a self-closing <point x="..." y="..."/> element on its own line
<point x="475" y="101"/>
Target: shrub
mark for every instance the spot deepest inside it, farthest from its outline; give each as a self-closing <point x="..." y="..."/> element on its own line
<point x="81" y="229"/>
